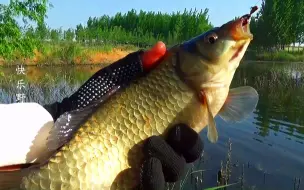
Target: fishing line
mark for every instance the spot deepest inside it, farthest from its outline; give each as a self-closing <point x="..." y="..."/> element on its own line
<point x="257" y="2"/>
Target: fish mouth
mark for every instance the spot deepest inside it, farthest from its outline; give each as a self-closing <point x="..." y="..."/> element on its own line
<point x="240" y="29"/>
<point x="240" y="32"/>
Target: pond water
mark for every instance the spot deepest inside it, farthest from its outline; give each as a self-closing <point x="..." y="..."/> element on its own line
<point x="266" y="151"/>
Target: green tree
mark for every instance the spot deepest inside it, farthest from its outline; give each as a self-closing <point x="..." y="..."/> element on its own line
<point x="278" y="24"/>
<point x="11" y="34"/>
<point x="56" y="35"/>
<point x="297" y="27"/>
<point x="42" y="32"/>
<point x="144" y="28"/>
<point x="80" y="33"/>
<point x="69" y="34"/>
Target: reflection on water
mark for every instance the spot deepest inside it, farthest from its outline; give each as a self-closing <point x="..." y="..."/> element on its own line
<point x="281" y="89"/>
<point x="43" y="85"/>
<point x="266" y="151"/>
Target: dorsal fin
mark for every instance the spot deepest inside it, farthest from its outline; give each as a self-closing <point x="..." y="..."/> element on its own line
<point x="69" y="122"/>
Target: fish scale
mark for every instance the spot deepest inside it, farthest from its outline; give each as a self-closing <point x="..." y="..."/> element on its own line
<point x="104" y="146"/>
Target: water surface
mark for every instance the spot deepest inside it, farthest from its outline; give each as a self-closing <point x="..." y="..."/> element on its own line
<point x="265" y="151"/>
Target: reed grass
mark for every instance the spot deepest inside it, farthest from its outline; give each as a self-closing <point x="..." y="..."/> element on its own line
<point x="292" y="56"/>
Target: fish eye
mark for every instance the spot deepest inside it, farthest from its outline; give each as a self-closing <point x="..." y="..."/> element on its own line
<point x="211" y="38"/>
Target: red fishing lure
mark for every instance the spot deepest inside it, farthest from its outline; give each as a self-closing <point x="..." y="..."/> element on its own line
<point x="247" y="16"/>
<point x="253" y="9"/>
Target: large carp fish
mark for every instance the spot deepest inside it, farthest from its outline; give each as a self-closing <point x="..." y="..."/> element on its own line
<point x="191" y="85"/>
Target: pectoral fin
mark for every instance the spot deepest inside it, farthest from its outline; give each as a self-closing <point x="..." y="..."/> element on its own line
<point x="69" y="122"/>
<point x="239" y="104"/>
<point x="212" y="134"/>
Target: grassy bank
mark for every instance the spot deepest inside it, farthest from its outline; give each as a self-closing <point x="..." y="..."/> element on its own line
<point x="280" y="56"/>
<point x="73" y="53"/>
<point x="67" y="53"/>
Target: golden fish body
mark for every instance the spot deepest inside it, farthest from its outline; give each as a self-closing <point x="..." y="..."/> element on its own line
<point x="106" y="152"/>
<point x="190" y="86"/>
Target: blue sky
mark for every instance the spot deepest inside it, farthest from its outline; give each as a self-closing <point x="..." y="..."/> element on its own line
<point x="69" y="13"/>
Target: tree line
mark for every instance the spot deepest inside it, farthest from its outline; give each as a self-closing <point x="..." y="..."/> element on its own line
<point x="276" y="25"/>
<point x="140" y="29"/>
